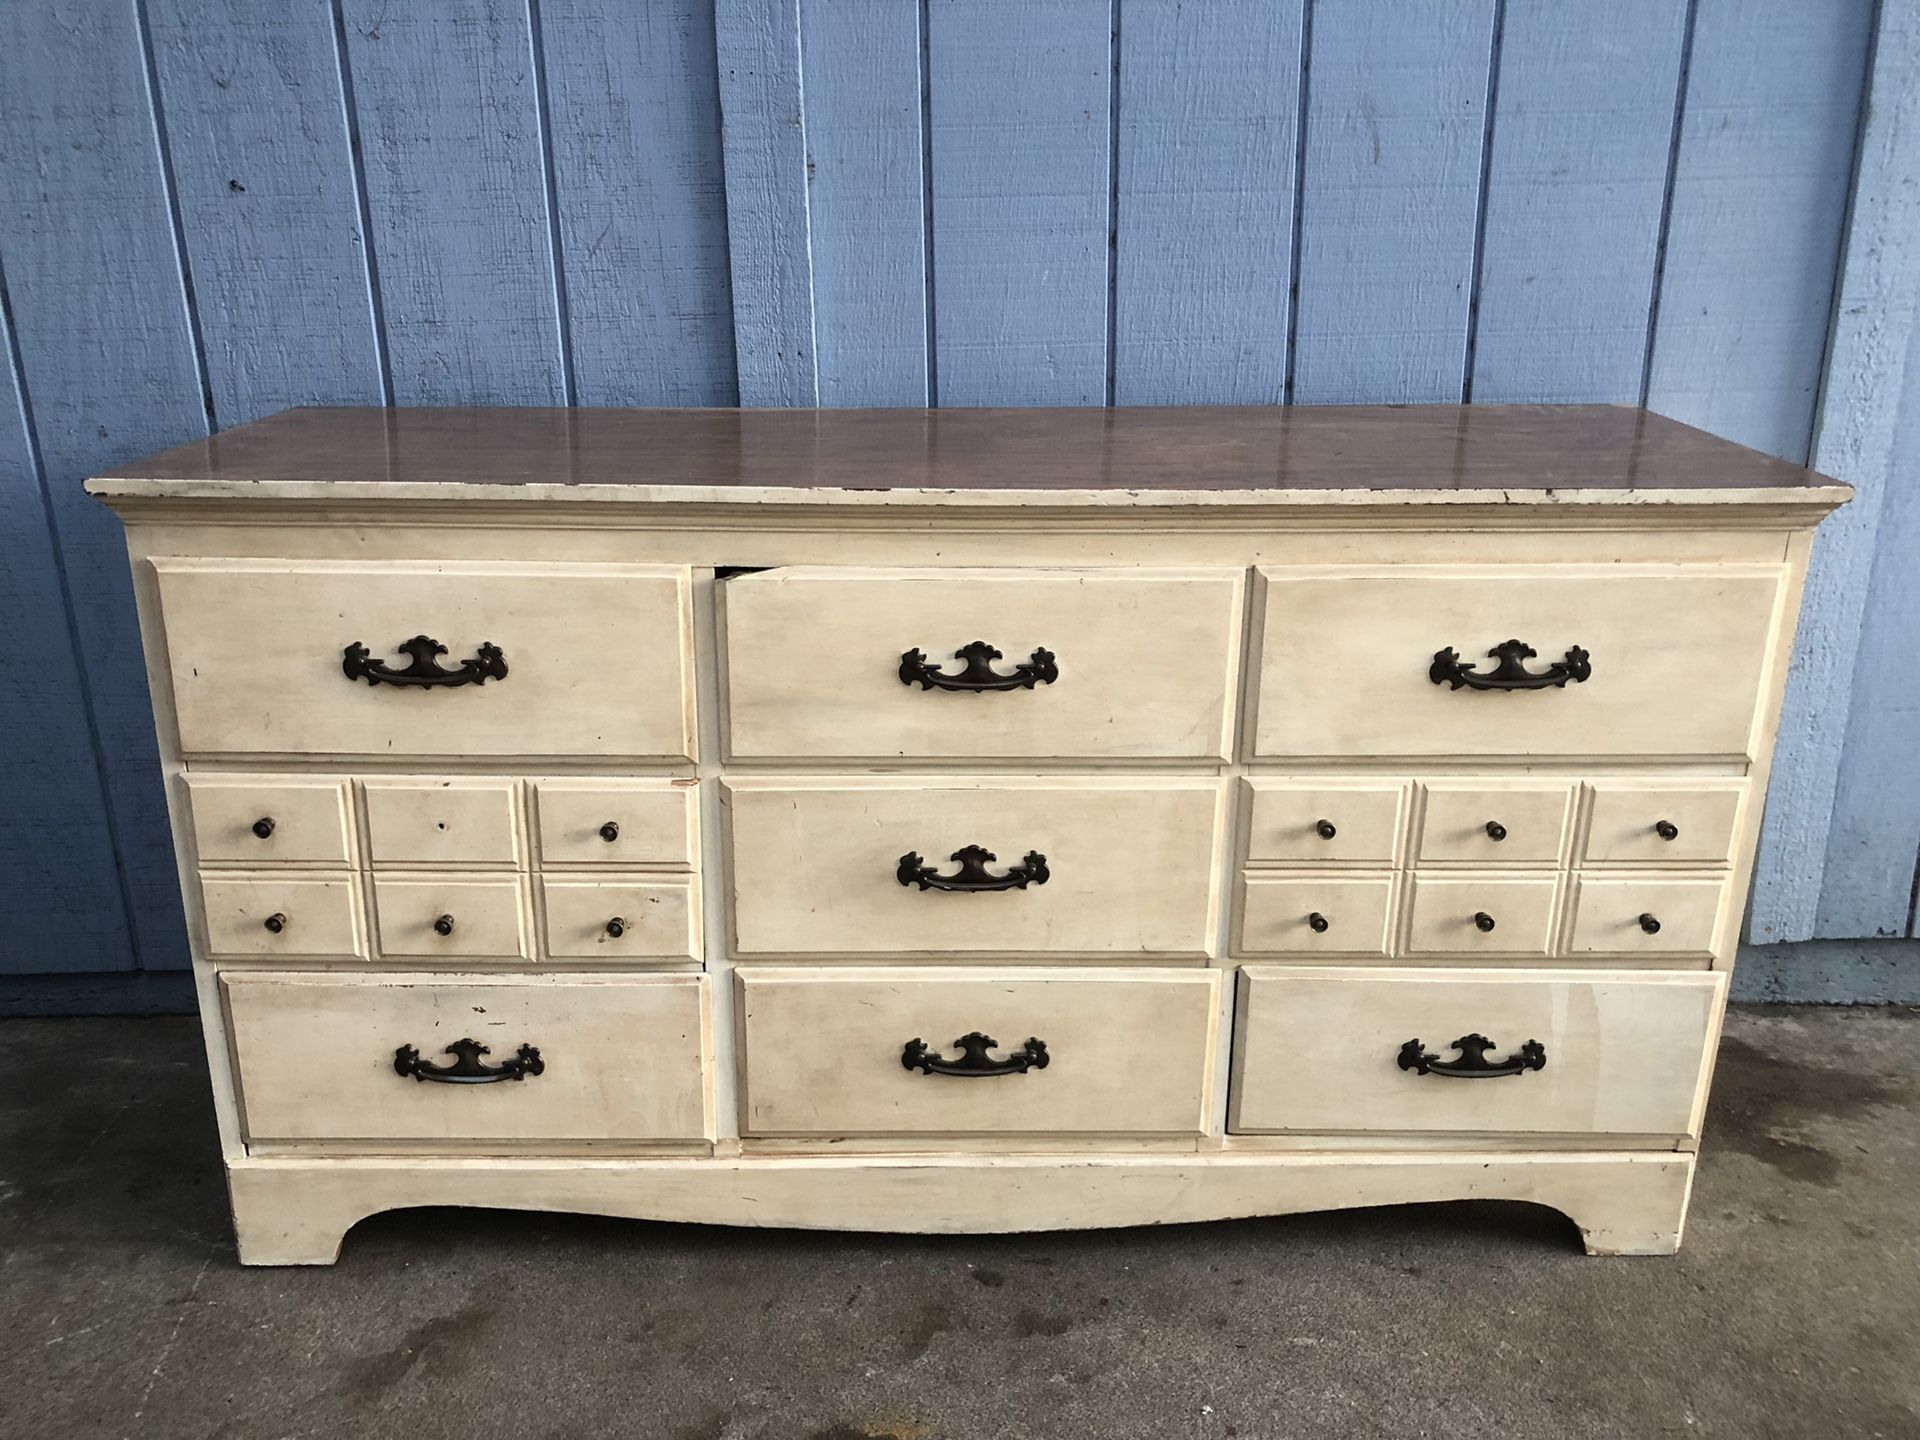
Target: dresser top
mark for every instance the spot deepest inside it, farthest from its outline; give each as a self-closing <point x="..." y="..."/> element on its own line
<point x="1504" y="454"/>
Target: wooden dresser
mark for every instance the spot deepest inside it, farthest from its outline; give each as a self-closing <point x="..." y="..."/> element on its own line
<point x="963" y="820"/>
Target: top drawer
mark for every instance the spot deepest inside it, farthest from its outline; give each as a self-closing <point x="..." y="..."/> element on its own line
<point x="1361" y="661"/>
<point x="589" y="660"/>
<point x="1092" y="664"/>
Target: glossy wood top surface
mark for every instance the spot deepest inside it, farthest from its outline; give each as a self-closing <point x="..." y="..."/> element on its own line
<point x="1533" y="448"/>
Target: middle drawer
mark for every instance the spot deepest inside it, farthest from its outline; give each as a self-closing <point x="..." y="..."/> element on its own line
<point x="902" y="866"/>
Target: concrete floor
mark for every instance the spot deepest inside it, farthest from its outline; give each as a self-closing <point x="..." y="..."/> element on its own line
<point x="1794" y="1310"/>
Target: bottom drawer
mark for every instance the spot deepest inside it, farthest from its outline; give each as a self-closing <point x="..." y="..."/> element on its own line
<point x="1321" y="1050"/>
<point x="881" y="1052"/>
<point x="618" y="1058"/>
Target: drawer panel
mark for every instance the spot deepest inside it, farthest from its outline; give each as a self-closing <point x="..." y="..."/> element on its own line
<point x="1646" y="918"/>
<point x="1447" y="915"/>
<point x="443" y="822"/>
<point x="1665" y="823"/>
<point x="483" y="919"/>
<point x="1146" y="662"/>
<point x="597" y="657"/>
<point x="1494" y="823"/>
<point x="1324" y="822"/>
<point x="1129" y="867"/>
<point x="1125" y="1051"/>
<point x="315" y="1057"/>
<point x="1315" y="915"/>
<point x="1676" y="655"/>
<point x="309" y="917"/>
<point x="1320" y="1051"/>
<point x="622" y="919"/>
<point x="614" y="822"/>
<point x="263" y="820"/>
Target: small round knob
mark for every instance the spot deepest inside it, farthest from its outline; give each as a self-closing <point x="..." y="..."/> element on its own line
<point x="1666" y="829"/>
<point x="616" y="927"/>
<point x="1324" y="829"/>
<point x="275" y="922"/>
<point x="1483" y="920"/>
<point x="444" y="925"/>
<point x="1495" y="830"/>
<point x="1317" y="923"/>
<point x="263" y="827"/>
<point x="610" y="831"/>
<point x="1649" y="924"/>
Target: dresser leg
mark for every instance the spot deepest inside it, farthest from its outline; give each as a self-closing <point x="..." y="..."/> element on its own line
<point x="1636" y="1209"/>
<point x="290" y="1217"/>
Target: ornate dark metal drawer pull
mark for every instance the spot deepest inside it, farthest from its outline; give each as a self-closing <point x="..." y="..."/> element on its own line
<point x="444" y="925"/>
<point x="610" y="831"/>
<point x="1496" y="831"/>
<point x="1666" y="829"/>
<point x="1483" y="922"/>
<point x="1650" y="924"/>
<point x="1038" y="669"/>
<point x="467" y="1069"/>
<point x="1473" y="1063"/>
<point x="487" y="664"/>
<point x="973" y="862"/>
<point x="263" y="827"/>
<point x="275" y="922"/>
<point x="1324" y="829"/>
<point x="973" y="1061"/>
<point x="1318" y="923"/>
<point x="616" y="927"/>
<point x="1510" y="674"/>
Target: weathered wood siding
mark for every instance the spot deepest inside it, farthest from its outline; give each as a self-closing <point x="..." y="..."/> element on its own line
<point x="216" y="208"/>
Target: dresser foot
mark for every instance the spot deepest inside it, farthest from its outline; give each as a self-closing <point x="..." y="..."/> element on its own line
<point x="1636" y="1211"/>
<point x="281" y="1217"/>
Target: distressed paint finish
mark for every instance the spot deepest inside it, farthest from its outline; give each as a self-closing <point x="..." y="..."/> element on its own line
<point x="450" y="130"/>
<point x="1576" y="185"/>
<point x="635" y="103"/>
<point x="1390" y="198"/>
<point x="1203" y="254"/>
<point x="1020" y="95"/>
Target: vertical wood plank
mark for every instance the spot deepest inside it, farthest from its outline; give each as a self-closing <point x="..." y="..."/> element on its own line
<point x="1576" y="184"/>
<point x="867" y="207"/>
<point x="1390" y="199"/>
<point x="450" y="132"/>
<point x="1203" y="257"/>
<point x="269" y="205"/>
<point x="1759" y="201"/>
<point x="634" y="96"/>
<point x="1020" y="94"/>
<point x="107" y="355"/>
<point x="771" y="246"/>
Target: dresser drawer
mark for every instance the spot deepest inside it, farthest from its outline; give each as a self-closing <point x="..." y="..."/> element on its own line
<point x="1483" y="915"/>
<point x="1332" y="1051"/>
<point x="1663" y="823"/>
<point x="307" y="917"/>
<point x="616" y="822"/>
<point x="1093" y="664"/>
<point x="1355" y="661"/>
<point x="848" y="867"/>
<point x="1493" y="823"/>
<point x="261" y="820"/>
<point x="434" y="917"/>
<point x="443" y="822"/>
<point x="881" y="1052"/>
<point x="1315" y="915"/>
<point x="1324" y="822"/>
<point x="1647" y="918"/>
<point x="592" y="660"/>
<point x="623" y="919"/>
<point x="315" y="1057"/>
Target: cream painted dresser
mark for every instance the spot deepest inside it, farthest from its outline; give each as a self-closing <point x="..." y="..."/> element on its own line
<point x="963" y="820"/>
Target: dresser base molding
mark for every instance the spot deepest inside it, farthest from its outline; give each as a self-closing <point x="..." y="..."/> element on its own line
<point x="298" y="1212"/>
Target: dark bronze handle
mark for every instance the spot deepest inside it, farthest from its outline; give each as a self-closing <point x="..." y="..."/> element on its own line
<point x="1317" y="923"/>
<point x="972" y="874"/>
<point x="1324" y="829"/>
<point x="487" y="664"/>
<point x="979" y="674"/>
<point x="1666" y="829"/>
<point x="467" y="1069"/>
<point x="1650" y="924"/>
<point x="616" y="927"/>
<point x="1473" y="1063"/>
<point x="1495" y="830"/>
<point x="263" y="827"/>
<point x="1509" y="674"/>
<point x="915" y="1055"/>
<point x="444" y="925"/>
<point x="275" y="922"/>
<point x="1483" y="920"/>
<point x="610" y="831"/>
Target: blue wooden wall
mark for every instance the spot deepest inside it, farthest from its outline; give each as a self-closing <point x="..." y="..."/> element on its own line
<point x="211" y="209"/>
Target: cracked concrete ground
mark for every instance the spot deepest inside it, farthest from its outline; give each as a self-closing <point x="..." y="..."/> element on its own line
<point x="1793" y="1311"/>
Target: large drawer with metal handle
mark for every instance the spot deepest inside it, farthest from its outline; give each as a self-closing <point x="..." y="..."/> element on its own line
<point x="980" y="664"/>
<point x="904" y="867"/>
<point x="386" y="1058"/>
<point x="416" y="658"/>
<point x="1514" y="660"/>
<point x="865" y="1051"/>
<point x="1469" y="1052"/>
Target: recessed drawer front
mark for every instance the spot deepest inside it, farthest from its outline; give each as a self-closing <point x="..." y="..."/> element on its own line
<point x="1083" y="867"/>
<point x="263" y="917"/>
<point x="1092" y="664"/>
<point x="1323" y="823"/>
<point x="1315" y="915"/>
<point x="256" y="820"/>
<point x="1480" y="915"/>
<point x="622" y="919"/>
<point x="890" y="1052"/>
<point x="316" y="1057"/>
<point x="550" y="659"/>
<point x="1362" y="662"/>
<point x="614" y="822"/>
<point x="1374" y="1050"/>
<point x="1649" y="919"/>
<point x="1670" y="824"/>
<point x="439" y="917"/>
<point x="1494" y="824"/>
<point x="443" y="822"/>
